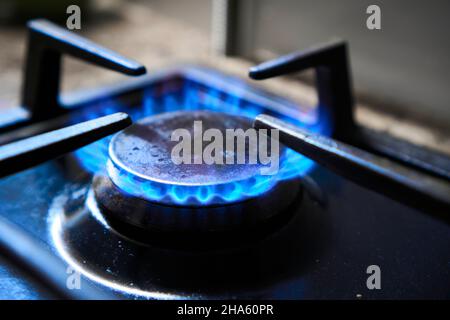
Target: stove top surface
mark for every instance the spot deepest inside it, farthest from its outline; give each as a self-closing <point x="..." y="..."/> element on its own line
<point x="323" y="252"/>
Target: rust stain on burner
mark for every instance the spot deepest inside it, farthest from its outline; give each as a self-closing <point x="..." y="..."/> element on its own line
<point x="145" y="149"/>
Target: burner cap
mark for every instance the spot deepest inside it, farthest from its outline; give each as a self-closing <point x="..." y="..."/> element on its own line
<point x="141" y="162"/>
<point x="145" y="149"/>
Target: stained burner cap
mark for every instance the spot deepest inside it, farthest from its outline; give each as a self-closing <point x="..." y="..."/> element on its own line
<point x="141" y="163"/>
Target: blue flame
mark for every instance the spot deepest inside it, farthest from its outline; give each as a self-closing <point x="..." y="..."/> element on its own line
<point x="192" y="195"/>
<point x="192" y="95"/>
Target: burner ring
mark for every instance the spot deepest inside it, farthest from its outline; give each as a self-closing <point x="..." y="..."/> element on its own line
<point x="134" y="216"/>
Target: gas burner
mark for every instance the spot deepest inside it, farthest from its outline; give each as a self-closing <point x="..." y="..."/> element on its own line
<point x="141" y="162"/>
<point x="145" y="190"/>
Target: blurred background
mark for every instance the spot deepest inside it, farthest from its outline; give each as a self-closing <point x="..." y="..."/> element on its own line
<point x="401" y="73"/>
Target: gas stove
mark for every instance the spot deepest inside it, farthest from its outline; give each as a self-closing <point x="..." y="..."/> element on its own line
<point x="130" y="224"/>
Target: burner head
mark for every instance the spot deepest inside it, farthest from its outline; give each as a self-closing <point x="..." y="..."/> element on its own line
<point x="141" y="162"/>
<point x="147" y="190"/>
<point x="145" y="150"/>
